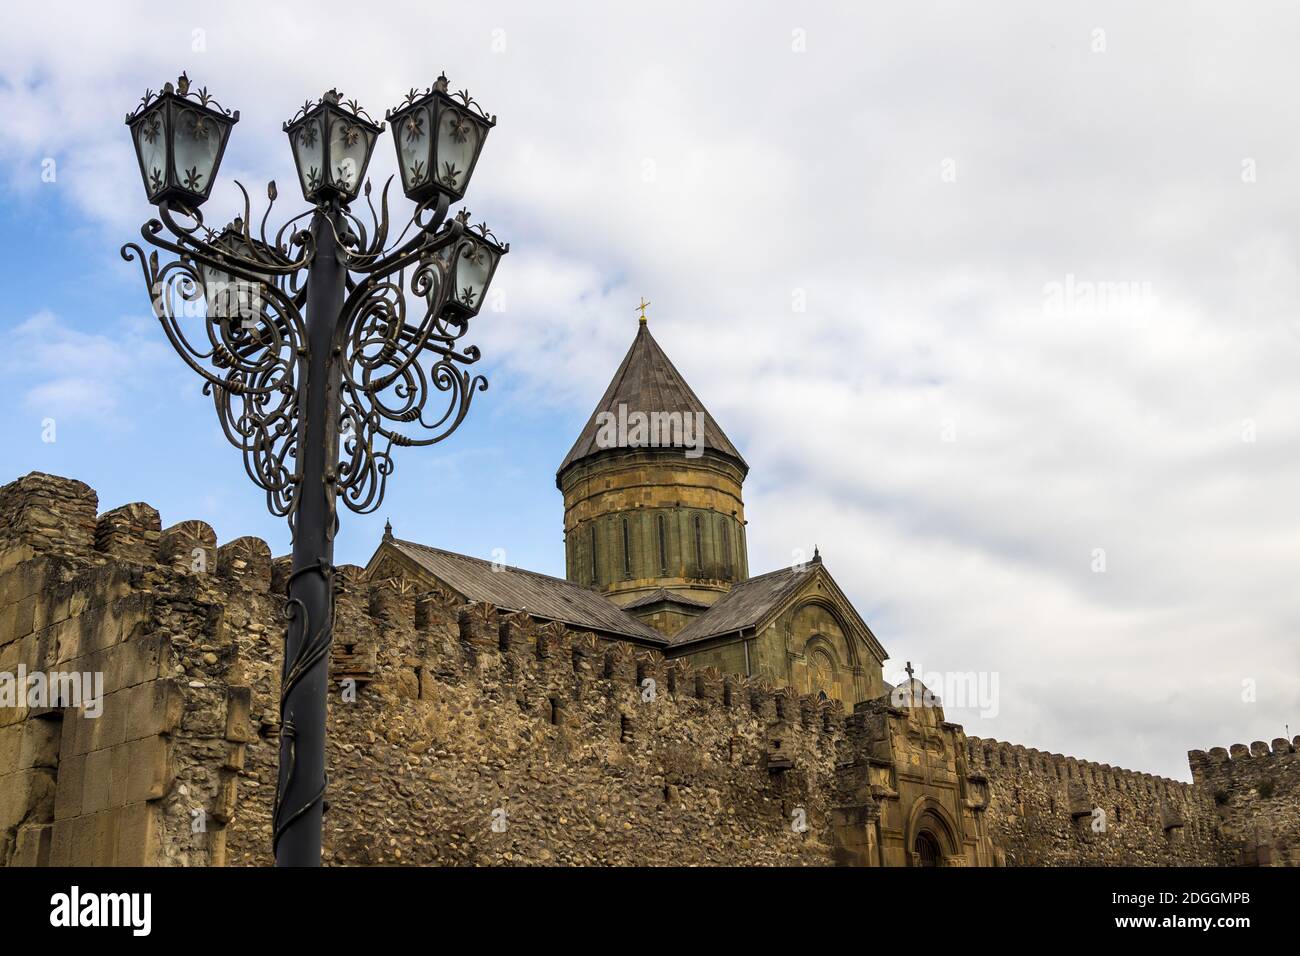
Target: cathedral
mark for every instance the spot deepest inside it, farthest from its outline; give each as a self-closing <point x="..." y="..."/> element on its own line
<point x="656" y="557"/>
<point x="655" y="552"/>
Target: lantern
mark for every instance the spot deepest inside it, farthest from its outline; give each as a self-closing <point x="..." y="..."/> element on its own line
<point x="332" y="142"/>
<point x="180" y="136"/>
<point x="438" y="139"/>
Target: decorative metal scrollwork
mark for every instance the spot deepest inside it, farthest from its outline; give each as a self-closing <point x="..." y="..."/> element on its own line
<point x="403" y="383"/>
<point x="231" y="305"/>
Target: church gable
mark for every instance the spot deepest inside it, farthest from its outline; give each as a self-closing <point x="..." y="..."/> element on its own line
<point x="828" y="647"/>
<point x="793" y="626"/>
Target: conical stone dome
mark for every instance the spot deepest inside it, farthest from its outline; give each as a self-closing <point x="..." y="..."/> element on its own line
<point x="652" y="490"/>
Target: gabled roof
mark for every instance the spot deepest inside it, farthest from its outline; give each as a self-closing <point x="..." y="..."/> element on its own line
<point x="648" y="382"/>
<point x="750" y="603"/>
<point x="747" y="603"/>
<point x="514" y="589"/>
<point x="666" y="596"/>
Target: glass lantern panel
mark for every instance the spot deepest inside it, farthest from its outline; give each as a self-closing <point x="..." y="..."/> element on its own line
<point x="458" y="140"/>
<point x="230" y="296"/>
<point x="473" y="267"/>
<point x="151" y="141"/>
<point x="309" y="154"/>
<point x="413" y="138"/>
<point x="217" y="292"/>
<point x="197" y="141"/>
<point x="440" y="262"/>
<point x="349" y="149"/>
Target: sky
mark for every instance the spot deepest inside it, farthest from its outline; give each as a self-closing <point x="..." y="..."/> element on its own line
<point x="997" y="300"/>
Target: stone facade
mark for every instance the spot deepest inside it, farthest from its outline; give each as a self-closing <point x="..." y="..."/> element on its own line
<point x="116" y="601"/>
<point x="460" y="734"/>
<point x="907" y="791"/>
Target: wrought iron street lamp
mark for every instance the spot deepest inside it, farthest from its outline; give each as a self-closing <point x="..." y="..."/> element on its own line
<point x="315" y="367"/>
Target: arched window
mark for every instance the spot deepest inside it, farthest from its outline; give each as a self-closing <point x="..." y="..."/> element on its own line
<point x="662" y="524"/>
<point x="627" y="551"/>
<point x="595" y="564"/>
<point x="726" y="548"/>
<point x="699" y="546"/>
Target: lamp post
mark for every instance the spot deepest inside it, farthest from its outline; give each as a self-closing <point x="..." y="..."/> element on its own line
<point x="303" y="341"/>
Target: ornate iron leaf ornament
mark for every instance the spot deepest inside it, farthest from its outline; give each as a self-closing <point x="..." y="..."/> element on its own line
<point x="405" y="377"/>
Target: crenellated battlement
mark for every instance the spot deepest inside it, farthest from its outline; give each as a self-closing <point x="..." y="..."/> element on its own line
<point x="1207" y="762"/>
<point x="1049" y="808"/>
<point x="490" y="637"/>
<point x="1256" y="793"/>
<point x="996" y="754"/>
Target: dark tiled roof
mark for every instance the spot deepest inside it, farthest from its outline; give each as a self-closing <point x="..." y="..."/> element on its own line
<point x="747" y="603"/>
<point x="647" y="381"/>
<point x="663" y="594"/>
<point x="541" y="595"/>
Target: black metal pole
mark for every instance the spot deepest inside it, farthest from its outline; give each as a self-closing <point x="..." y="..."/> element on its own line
<point x="300" y="788"/>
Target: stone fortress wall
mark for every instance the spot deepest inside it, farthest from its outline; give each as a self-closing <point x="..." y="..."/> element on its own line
<point x="1047" y="809"/>
<point x="460" y="734"/>
<point x="1256" y="793"/>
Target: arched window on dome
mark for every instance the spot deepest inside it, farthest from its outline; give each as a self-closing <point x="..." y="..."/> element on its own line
<point x="595" y="565"/>
<point x="726" y="547"/>
<point x="627" y="551"/>
<point x="662" y="524"/>
<point x="699" y="546"/>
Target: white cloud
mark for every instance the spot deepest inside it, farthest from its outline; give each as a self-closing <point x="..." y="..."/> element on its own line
<point x="68" y="374"/>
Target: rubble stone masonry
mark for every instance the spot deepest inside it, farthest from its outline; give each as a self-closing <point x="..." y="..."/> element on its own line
<point x="1052" y="810"/>
<point x="460" y="734"/>
<point x="1256" y="794"/>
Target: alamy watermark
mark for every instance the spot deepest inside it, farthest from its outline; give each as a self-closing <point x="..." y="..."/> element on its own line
<point x="239" y="301"/>
<point x="968" y="690"/>
<point x="133" y="911"/>
<point x="83" y="689"/>
<point x="637" y="429"/>
<point x="1074" y="297"/>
